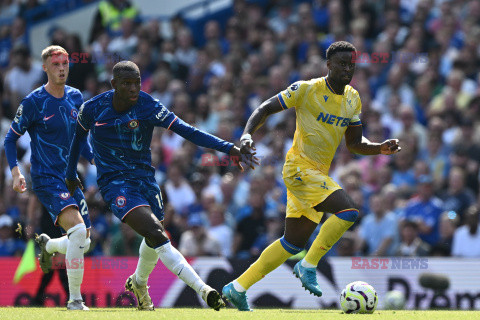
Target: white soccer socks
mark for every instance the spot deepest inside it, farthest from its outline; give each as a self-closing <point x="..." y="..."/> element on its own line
<point x="57" y="245"/>
<point x="60" y="245"/>
<point x="176" y="263"/>
<point x="74" y="259"/>
<point x="147" y="261"/>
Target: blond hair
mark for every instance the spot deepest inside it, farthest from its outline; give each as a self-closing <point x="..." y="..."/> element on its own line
<point x="52" y="50"/>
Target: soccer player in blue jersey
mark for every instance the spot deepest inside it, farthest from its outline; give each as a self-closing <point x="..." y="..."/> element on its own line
<point x="121" y="122"/>
<point x="49" y="114"/>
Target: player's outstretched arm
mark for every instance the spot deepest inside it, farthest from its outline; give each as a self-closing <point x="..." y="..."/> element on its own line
<point x="256" y="120"/>
<point x="71" y="179"/>
<point x="207" y="140"/>
<point x="359" y="144"/>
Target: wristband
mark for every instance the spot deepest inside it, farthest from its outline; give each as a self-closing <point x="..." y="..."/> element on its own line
<point x="246" y="136"/>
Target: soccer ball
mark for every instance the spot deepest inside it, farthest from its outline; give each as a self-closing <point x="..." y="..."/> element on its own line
<point x="394" y="300"/>
<point x="358" y="297"/>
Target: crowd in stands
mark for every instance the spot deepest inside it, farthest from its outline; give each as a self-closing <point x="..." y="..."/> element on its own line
<point x="424" y="90"/>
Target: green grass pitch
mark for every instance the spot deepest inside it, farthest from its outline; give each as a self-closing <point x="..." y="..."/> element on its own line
<point x="12" y="313"/>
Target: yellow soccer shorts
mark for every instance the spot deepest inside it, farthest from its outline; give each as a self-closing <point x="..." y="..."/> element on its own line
<point x="306" y="187"/>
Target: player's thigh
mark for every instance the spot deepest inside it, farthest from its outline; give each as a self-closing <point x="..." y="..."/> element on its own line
<point x="337" y="201"/>
<point x="69" y="217"/>
<point x="61" y="206"/>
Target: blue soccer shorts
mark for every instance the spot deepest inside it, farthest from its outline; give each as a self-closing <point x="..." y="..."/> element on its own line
<point x="125" y="195"/>
<point x="54" y="195"/>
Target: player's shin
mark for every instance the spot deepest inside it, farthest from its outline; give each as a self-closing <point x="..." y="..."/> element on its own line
<point x="176" y="263"/>
<point x="74" y="259"/>
<point x="330" y="232"/>
<point x="270" y="259"/>
<point x="147" y="261"/>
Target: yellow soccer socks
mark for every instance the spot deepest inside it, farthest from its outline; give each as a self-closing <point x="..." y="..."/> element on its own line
<point x="330" y="232"/>
<point x="270" y="259"/>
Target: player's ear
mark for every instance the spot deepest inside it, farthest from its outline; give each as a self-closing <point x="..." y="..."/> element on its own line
<point x="113" y="83"/>
<point x="328" y="64"/>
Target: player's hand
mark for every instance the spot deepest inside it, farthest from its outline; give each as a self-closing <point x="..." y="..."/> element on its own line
<point x="72" y="185"/>
<point x="390" y="146"/>
<point x="246" y="144"/>
<point x="19" y="184"/>
<point x="248" y="158"/>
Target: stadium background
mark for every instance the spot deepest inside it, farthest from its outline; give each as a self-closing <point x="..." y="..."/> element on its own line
<point x="212" y="63"/>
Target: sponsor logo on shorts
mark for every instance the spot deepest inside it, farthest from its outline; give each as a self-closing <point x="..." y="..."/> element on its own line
<point x="120" y="201"/>
<point x="64" y="195"/>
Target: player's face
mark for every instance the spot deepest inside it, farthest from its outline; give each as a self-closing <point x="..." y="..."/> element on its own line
<point x="342" y="67"/>
<point x="127" y="87"/>
<point x="57" y="68"/>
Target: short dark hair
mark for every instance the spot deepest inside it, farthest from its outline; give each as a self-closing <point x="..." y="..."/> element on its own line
<point x="124" y="66"/>
<point x="340" y="46"/>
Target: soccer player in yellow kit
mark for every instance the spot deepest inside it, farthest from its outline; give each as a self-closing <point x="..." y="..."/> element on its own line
<point x="327" y="108"/>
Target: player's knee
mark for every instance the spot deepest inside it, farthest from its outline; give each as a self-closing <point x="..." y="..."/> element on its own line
<point x="155" y="237"/>
<point x="77" y="233"/>
<point x="292" y="246"/>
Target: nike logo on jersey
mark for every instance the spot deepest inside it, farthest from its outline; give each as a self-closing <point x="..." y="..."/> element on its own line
<point x="326" y="98"/>
<point x="333" y="119"/>
<point x="46" y="118"/>
<point x="298" y="178"/>
<point x="98" y="124"/>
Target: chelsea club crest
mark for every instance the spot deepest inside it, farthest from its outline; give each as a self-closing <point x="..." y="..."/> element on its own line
<point x="133" y="124"/>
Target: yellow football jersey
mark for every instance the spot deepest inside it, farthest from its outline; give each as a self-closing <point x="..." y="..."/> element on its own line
<point x="322" y="118"/>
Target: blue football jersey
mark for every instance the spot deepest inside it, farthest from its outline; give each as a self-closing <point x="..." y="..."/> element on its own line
<point x="121" y="141"/>
<point x="50" y="123"/>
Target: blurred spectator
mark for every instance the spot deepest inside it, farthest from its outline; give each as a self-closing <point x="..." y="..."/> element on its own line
<point x="180" y="194"/>
<point x="197" y="241"/>
<point x="346" y="245"/>
<point x="448" y="224"/>
<point x="457" y="197"/>
<point x="410" y="243"/>
<point x="25" y="76"/>
<point x="9" y="245"/>
<point x="378" y="230"/>
<point x="425" y="210"/>
<point x="125" y="43"/>
<point x="466" y="241"/>
<point x="273" y="230"/>
<point x="110" y="15"/>
<point x="219" y="230"/>
<point x="251" y="226"/>
<point x="186" y="54"/>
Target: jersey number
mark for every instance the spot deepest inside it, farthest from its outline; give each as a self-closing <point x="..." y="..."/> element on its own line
<point x="83" y="207"/>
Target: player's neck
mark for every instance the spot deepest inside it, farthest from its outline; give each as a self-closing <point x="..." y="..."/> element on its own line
<point x="55" y="90"/>
<point x="120" y="105"/>
<point x="336" y="88"/>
